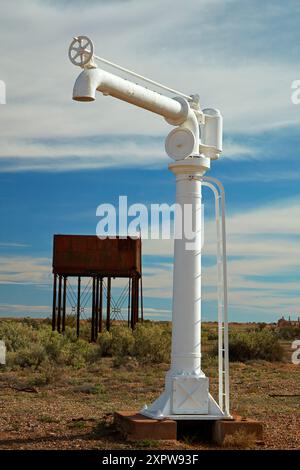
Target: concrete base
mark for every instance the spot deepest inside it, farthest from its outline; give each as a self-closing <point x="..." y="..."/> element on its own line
<point x="135" y="427"/>
<point x="237" y="426"/>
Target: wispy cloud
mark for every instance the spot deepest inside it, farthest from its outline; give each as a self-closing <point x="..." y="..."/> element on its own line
<point x="239" y="56"/>
<point x="157" y="314"/>
<point x="11" y="310"/>
<point x="262" y="243"/>
<point x="13" y="245"/>
<point x="261" y="247"/>
<point x="112" y="151"/>
<point x="234" y="69"/>
<point x="25" y="270"/>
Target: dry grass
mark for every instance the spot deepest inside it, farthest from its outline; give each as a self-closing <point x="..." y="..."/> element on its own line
<point x="69" y="407"/>
<point x="240" y="440"/>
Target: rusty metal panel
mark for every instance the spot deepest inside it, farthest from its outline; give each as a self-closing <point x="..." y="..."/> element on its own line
<point x="83" y="255"/>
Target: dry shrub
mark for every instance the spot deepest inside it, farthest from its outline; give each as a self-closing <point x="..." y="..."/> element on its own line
<point x="288" y="332"/>
<point x="104" y="342"/>
<point x="254" y="345"/>
<point x="152" y="343"/>
<point x="122" y="341"/>
<point x="46" y="374"/>
<point x="17" y="335"/>
<point x="37" y="346"/>
<point x="31" y="356"/>
<point x="148" y="343"/>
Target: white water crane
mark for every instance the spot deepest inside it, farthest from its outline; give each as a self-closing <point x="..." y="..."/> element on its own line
<point x="195" y="140"/>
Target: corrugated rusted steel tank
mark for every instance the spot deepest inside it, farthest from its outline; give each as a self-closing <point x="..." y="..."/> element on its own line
<point x="88" y="256"/>
<point x="79" y="255"/>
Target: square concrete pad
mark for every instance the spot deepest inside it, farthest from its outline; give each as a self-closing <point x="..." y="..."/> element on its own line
<point x="135" y="426"/>
<point x="223" y="428"/>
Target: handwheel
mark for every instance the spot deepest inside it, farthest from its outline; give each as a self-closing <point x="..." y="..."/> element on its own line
<point x="81" y="51"/>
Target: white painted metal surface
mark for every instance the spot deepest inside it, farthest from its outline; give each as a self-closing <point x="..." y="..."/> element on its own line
<point x="81" y="52"/>
<point x="92" y="80"/>
<point x="185" y="374"/>
<point x="186" y="394"/>
<point x="212" y="134"/>
<point x="223" y="348"/>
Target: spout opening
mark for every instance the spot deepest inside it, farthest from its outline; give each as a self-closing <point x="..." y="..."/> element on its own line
<point x="83" y="98"/>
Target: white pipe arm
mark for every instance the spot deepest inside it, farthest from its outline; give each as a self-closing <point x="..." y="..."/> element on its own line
<point x="175" y="111"/>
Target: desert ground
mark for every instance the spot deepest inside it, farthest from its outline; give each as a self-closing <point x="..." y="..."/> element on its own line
<point x="57" y="400"/>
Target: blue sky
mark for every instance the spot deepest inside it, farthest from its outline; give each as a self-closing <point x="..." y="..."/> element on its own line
<point x="59" y="159"/>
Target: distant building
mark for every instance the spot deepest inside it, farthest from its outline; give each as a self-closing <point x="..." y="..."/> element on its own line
<point x="282" y="322"/>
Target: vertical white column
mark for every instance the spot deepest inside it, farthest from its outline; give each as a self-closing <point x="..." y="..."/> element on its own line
<point x="186" y="309"/>
<point x="186" y="386"/>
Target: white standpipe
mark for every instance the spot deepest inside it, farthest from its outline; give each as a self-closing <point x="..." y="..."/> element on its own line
<point x="186" y="332"/>
<point x="92" y="80"/>
<point x="186" y="394"/>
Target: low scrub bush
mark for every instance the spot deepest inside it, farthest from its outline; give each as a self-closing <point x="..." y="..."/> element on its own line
<point x="148" y="343"/>
<point x="32" y="346"/>
<point x="47" y="373"/>
<point x="255" y="345"/>
<point x="36" y="346"/>
<point x="152" y="343"/>
<point x="30" y="356"/>
<point x="17" y="335"/>
<point x="212" y="336"/>
<point x="105" y="341"/>
<point x="288" y="332"/>
<point x="122" y="342"/>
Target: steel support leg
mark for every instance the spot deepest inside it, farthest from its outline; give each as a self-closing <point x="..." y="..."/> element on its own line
<point x="59" y="304"/>
<point x="78" y="306"/>
<point x="100" y="305"/>
<point x="96" y="309"/>
<point x="64" y="304"/>
<point x="108" y="303"/>
<point x="93" y="311"/>
<point x="54" y="302"/>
